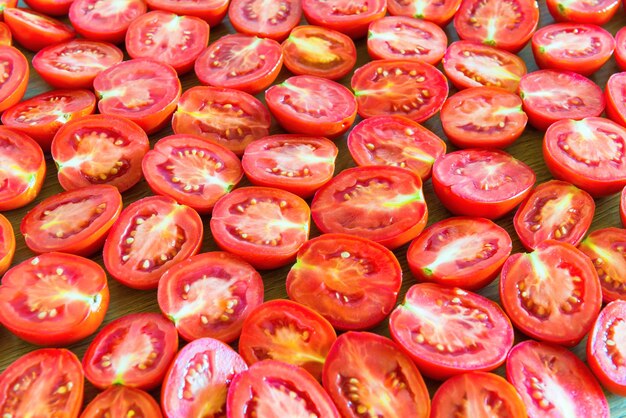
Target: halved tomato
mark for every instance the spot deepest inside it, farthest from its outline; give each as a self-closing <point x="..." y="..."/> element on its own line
<point x="14" y="80"/>
<point x="54" y="299"/>
<point x="122" y="402"/>
<point x="605" y="247"/>
<point x="151" y="235"/>
<point x="105" y="20"/>
<point x="35" y="31"/>
<point x="596" y="12"/>
<point x="615" y="94"/>
<point x="7" y="244"/>
<point x="50" y="7"/>
<point x="272" y="20"/>
<point x="439" y="12"/>
<point x="346" y="16"/>
<point x="620" y="49"/>
<point x="6" y="38"/>
<point x="622" y="207"/>
<point x="213" y="11"/>
<point x="4" y="4"/>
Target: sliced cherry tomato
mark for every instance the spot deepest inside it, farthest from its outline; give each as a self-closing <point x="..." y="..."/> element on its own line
<point x="296" y="163"/>
<point x="105" y="20"/>
<point x="481" y="182"/>
<point x="439" y="12"/>
<point x="54" y="299"/>
<point x="553" y="382"/>
<point x="14" y="79"/>
<point x="197" y="381"/>
<point x="99" y="149"/>
<point x="615" y="94"/>
<point x="267" y="20"/>
<point x="6" y="38"/>
<point x="311" y="105"/>
<point x="7" y="244"/>
<point x="318" y="51"/>
<point x="620" y="49"/>
<point x="605" y="247"/>
<point x="41" y="116"/>
<point x="50" y="7"/>
<point x="122" y="402"/>
<point x="213" y="11"/>
<point x="588" y="153"/>
<point x="151" y="235"/>
<point x="191" y="170"/>
<point x="134" y="350"/>
<point x="412" y="89"/>
<point x="349" y="17"/>
<point x="227" y="117"/>
<point x="554" y="210"/>
<point x="596" y="12"/>
<point x="351" y="281"/>
<point x="168" y="38"/>
<point x="483" y="117"/>
<point x="4" y="4"/>
<point x="35" y="31"/>
<point x="448" y="331"/>
<point x="240" y="62"/>
<point x="74" y="222"/>
<point x="622" y="207"/>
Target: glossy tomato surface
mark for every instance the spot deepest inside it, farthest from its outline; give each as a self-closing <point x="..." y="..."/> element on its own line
<point x="7" y="244"/>
<point x="50" y="7"/>
<point x="105" y="21"/>
<point x="597" y="12"/>
<point x="620" y="49"/>
<point x="35" y="31"/>
<point x="347" y="16"/>
<point x="213" y="11"/>
<point x="267" y="20"/>
<point x="440" y="12"/>
<point x="605" y="247"/>
<point x="6" y="38"/>
<point x="14" y="78"/>
<point x="615" y="94"/>
<point x="122" y="402"/>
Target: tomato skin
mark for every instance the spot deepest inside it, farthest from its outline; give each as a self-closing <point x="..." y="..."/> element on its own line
<point x="622" y="207"/>
<point x="7" y="244"/>
<point x="5" y="4"/>
<point x="351" y="19"/>
<point x="13" y="88"/>
<point x="50" y="7"/>
<point x="596" y="13"/>
<point x="119" y="401"/>
<point x="440" y="12"/>
<point x="94" y="21"/>
<point x="605" y="249"/>
<point x="615" y="93"/>
<point x="252" y="18"/>
<point x="212" y="11"/>
<point x="6" y="38"/>
<point x="35" y="31"/>
<point x="620" y="49"/>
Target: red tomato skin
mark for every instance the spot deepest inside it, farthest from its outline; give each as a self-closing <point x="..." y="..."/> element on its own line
<point x="7" y="244"/>
<point x="6" y="38"/>
<point x="249" y="23"/>
<point x="213" y="14"/>
<point x="103" y="32"/>
<point x="34" y="37"/>
<point x="441" y="16"/>
<point x="614" y="92"/>
<point x="622" y="207"/>
<point x="597" y="14"/>
<point x="17" y="82"/>
<point x="620" y="49"/>
<point x="50" y="7"/>
<point x="355" y="26"/>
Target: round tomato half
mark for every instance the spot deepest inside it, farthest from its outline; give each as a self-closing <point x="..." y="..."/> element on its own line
<point x="615" y="94"/>
<point x="597" y="12"/>
<point x="14" y="79"/>
<point x="346" y="16"/>
<point x="50" y="7"/>
<point x="213" y="11"/>
<point x="605" y="247"/>
<point x="272" y="20"/>
<point x="105" y="21"/>
<point x="122" y="402"/>
<point x="35" y="31"/>
<point x="440" y="12"/>
<point x="7" y="244"/>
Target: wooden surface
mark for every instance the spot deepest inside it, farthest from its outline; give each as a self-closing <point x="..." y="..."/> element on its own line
<point x="125" y="300"/>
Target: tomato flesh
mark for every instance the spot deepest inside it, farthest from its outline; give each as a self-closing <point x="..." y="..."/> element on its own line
<point x="105" y="20"/>
<point x="273" y="19"/>
<point x="122" y="402"/>
<point x="605" y="247"/>
<point x="7" y="244"/>
<point x="349" y="17"/>
<point x="615" y="94"/>
<point x="14" y="78"/>
<point x="596" y="12"/>
<point x="440" y="12"/>
<point x="35" y="31"/>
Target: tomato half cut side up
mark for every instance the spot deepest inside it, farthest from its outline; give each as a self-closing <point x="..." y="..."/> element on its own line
<point x="14" y="79"/>
<point x="122" y="401"/>
<point x="266" y="20"/>
<point x="605" y="247"/>
<point x="615" y="94"/>
<point x="213" y="11"/>
<point x="151" y="235"/>
<point x="210" y="295"/>
<point x="349" y="17"/>
<point x="50" y="7"/>
<point x="54" y="299"/>
<point x="440" y="12"/>
<point x="7" y="244"/>
<point x="597" y="12"/>
<point x="105" y="21"/>
<point x="448" y="331"/>
<point x="35" y="31"/>
<point x="351" y="281"/>
<point x="622" y="207"/>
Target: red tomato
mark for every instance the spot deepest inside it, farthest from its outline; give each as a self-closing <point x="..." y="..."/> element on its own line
<point x="587" y="153"/>
<point x="168" y="38"/>
<point x="412" y="89"/>
<point x="74" y="222"/>
<point x="105" y="20"/>
<point x="605" y="247"/>
<point x="313" y="106"/>
<point x="151" y="235"/>
<point x="240" y="62"/>
<point x="99" y="149"/>
<point x="402" y="37"/>
<point x="554" y="210"/>
<point x="553" y="382"/>
<point x="43" y="383"/>
<point x="54" y="299"/>
<point x="615" y="94"/>
<point x="267" y="20"/>
<point x="460" y="252"/>
<point x="351" y="281"/>
<point x="134" y="350"/>
<point x="448" y="331"/>
<point x="41" y="116"/>
<point x="197" y="381"/>
<point x="227" y="117"/>
<point x="620" y="49"/>
<point x="35" y="31"/>
<point x="622" y="207"/>
<point x="213" y="11"/>
<point x="191" y="170"/>
<point x="597" y="12"/>
<point x="6" y="4"/>
<point x="296" y="163"/>
<point x="483" y="117"/>
<point x="50" y="7"/>
<point x="122" y="402"/>
<point x="439" y="12"/>
<point x="6" y="38"/>
<point x="7" y="244"/>
<point x="14" y="78"/>
<point x="349" y="17"/>
<point x="481" y="182"/>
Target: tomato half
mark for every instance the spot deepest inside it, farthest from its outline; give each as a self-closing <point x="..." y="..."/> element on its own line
<point x="151" y="235"/>
<point x="272" y="20"/>
<point x="7" y="244"/>
<point x="50" y="7"/>
<point x="596" y="12"/>
<point x="615" y="94"/>
<point x="448" y="331"/>
<point x="346" y="16"/>
<point x="105" y="20"/>
<point x="99" y="149"/>
<point x="6" y="38"/>
<point x="412" y="89"/>
<point x="122" y="402"/>
<point x="4" y="4"/>
<point x="605" y="247"/>
<point x="351" y="281"/>
<point x="622" y="207"/>
<point x="54" y="299"/>
<point x="14" y="78"/>
<point x="213" y="11"/>
<point x="35" y="31"/>
<point x="439" y="12"/>
<point x="620" y="49"/>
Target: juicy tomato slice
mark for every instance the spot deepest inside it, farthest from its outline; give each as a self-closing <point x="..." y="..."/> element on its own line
<point x="310" y="105"/>
<point x="54" y="299"/>
<point x="553" y="382"/>
<point x="6" y="38"/>
<point x="481" y="182"/>
<point x="620" y="49"/>
<point x="240" y="62"/>
<point x="596" y="12"/>
<point x="22" y="169"/>
<point x="346" y="16"/>
<point x="605" y="247"/>
<point x="273" y="20"/>
<point x="351" y="281"/>
<point x="460" y="252"/>
<point x="122" y="402"/>
<point x="14" y="78"/>
<point x="554" y="210"/>
<point x="74" y="222"/>
<point x="191" y="170"/>
<point x="412" y="89"/>
<point x="168" y="38"/>
<point x="41" y="116"/>
<point x="227" y="117"/>
<point x="35" y="31"/>
<point x="448" y="331"/>
<point x="212" y="11"/>
<point x="134" y="350"/>
<point x="296" y="163"/>
<point x="7" y="244"/>
<point x="483" y="117"/>
<point x="588" y="153"/>
<point x="105" y="20"/>
<point x="615" y="94"/>
<point x="402" y="37"/>
<point x="99" y="149"/>
<point x="197" y="381"/>
<point x="43" y="383"/>
<point x="210" y="295"/>
<point x="318" y="51"/>
<point x="439" y="12"/>
<point x="50" y="7"/>
<point x="151" y="235"/>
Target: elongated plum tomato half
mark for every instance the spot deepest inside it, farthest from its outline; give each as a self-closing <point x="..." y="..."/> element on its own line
<point x="50" y="7"/>
<point x="439" y="12"/>
<point x="151" y="235"/>
<point x="46" y="382"/>
<point x="122" y="401"/>
<point x="191" y="170"/>
<point x="349" y="17"/>
<point x="7" y="244"/>
<point x="197" y="381"/>
<point x="272" y="20"/>
<point x="99" y="149"/>
<point x="54" y="299"/>
<point x="368" y="373"/>
<point x="598" y="12"/>
<point x="382" y="203"/>
<point x="448" y="331"/>
<point x="615" y="94"/>
<point x="212" y="11"/>
<point x="14" y="78"/>
<point x="210" y="295"/>
<point x="105" y="21"/>
<point x="605" y="247"/>
<point x="311" y="105"/>
<point x="35" y="31"/>
<point x="553" y="381"/>
<point x="351" y="281"/>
